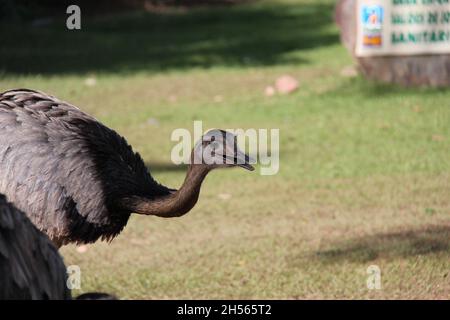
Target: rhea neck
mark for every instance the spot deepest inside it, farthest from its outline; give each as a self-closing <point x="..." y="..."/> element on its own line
<point x="176" y="203"/>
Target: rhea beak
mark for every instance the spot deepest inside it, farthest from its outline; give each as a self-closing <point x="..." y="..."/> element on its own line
<point x="243" y="160"/>
<point x="235" y="157"/>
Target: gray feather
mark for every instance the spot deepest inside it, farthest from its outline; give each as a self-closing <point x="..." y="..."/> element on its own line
<point x="30" y="265"/>
<point x="65" y="169"/>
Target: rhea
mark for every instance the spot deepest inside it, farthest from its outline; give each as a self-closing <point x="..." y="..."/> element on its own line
<point x="30" y="265"/>
<point x="78" y="180"/>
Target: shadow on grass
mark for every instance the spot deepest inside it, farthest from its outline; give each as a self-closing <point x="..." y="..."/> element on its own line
<point x="427" y="240"/>
<point x="241" y="35"/>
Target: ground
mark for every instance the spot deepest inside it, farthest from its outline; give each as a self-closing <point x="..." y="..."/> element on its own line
<point x="364" y="174"/>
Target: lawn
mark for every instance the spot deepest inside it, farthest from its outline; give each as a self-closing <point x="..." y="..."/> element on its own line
<point x="364" y="167"/>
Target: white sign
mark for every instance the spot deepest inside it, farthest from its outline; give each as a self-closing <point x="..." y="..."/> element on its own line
<point x="402" y="27"/>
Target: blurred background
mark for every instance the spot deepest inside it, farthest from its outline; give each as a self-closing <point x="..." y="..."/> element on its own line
<point x="364" y="167"/>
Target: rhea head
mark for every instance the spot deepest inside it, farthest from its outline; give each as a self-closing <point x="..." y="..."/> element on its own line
<point x="219" y="149"/>
<point x="216" y="149"/>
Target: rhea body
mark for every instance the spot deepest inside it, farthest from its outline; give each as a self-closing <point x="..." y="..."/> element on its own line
<point x="78" y="180"/>
<point x="30" y="266"/>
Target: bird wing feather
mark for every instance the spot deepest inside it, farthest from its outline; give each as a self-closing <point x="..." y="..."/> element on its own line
<point x="65" y="169"/>
<point x="30" y="266"/>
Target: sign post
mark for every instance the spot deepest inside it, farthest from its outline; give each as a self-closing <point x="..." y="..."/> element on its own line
<point x="400" y="41"/>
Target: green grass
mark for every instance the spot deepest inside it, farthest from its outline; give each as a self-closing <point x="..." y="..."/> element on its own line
<point x="364" y="173"/>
